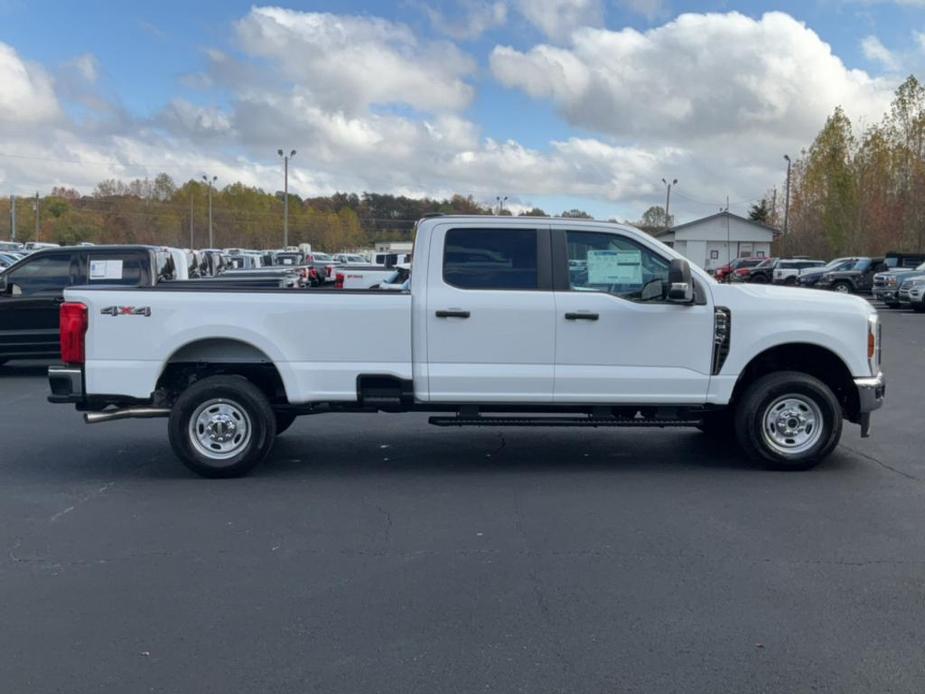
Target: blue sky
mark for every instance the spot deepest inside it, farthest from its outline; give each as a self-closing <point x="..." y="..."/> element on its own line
<point x="213" y="84"/>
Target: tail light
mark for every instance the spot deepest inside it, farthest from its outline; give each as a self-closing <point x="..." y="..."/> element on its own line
<point x="73" y="323"/>
<point x="313" y="274"/>
<point x="329" y="270"/>
<point x="339" y="280"/>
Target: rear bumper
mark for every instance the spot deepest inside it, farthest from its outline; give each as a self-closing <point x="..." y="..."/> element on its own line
<point x="67" y="384"/>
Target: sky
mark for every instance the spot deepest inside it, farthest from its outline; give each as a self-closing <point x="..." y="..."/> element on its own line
<point x="551" y="103"/>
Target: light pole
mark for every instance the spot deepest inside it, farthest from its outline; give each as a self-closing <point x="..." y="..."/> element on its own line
<point x="501" y="202"/>
<point x="787" y="197"/>
<point x="286" y="159"/>
<point x="35" y="206"/>
<point x="668" y="185"/>
<point x="192" y="245"/>
<point x="210" y="181"/>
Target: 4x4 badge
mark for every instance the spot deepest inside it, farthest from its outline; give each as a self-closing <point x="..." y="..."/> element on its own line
<point x="126" y="311"/>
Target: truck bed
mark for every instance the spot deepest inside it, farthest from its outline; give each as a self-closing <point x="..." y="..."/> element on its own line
<point x="319" y="341"/>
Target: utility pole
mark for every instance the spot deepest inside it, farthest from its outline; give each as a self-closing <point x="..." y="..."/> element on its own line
<point x="12" y="217"/>
<point x="668" y="199"/>
<point x="286" y="159"/>
<point x="210" y="181"/>
<point x="36" y="207"/>
<point x="191" y="244"/>
<point x="501" y="202"/>
<point x="787" y="197"/>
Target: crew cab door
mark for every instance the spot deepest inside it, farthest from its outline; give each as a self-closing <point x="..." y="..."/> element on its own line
<point x="30" y="302"/>
<point x="617" y="339"/>
<point x="490" y="315"/>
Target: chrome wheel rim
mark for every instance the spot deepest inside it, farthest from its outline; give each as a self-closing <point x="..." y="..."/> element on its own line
<point x="792" y="424"/>
<point x="841" y="288"/>
<point x="220" y="429"/>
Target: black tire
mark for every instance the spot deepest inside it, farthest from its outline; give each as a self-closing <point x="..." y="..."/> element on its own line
<point x="718" y="425"/>
<point x="790" y="281"/>
<point x="774" y="391"/>
<point x="758" y="279"/>
<point x="284" y="420"/>
<point x="237" y="407"/>
<point x="843" y="288"/>
<point x="918" y="308"/>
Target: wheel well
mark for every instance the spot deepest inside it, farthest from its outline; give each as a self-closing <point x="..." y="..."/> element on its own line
<point x="215" y="356"/>
<point x="809" y="359"/>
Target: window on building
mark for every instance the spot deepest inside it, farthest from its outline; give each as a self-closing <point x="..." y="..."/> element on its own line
<point x="714" y="255"/>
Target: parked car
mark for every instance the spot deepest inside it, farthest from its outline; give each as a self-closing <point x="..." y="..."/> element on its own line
<point x="787" y="271"/>
<point x="325" y="266"/>
<point x="808" y="278"/>
<point x="886" y="284"/>
<point x="370" y="277"/>
<point x="391" y="259"/>
<point x="897" y="260"/>
<point x="912" y="293"/>
<point x="31" y="291"/>
<point x="33" y="246"/>
<point x="760" y="273"/>
<point x="351" y="259"/>
<point x="10" y="247"/>
<point x="495" y="331"/>
<point x="857" y="279"/>
<point x="285" y="277"/>
<point x="724" y="272"/>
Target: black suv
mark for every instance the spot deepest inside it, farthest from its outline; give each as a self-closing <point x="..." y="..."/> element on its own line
<point x="858" y="278"/>
<point x="32" y="290"/>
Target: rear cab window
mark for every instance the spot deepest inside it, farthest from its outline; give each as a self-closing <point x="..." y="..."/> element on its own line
<point x="499" y="259"/>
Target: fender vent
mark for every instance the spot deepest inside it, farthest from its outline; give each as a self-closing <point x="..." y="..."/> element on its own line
<point x="722" y="335"/>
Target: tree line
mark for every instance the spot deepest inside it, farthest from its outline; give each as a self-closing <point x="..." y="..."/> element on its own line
<point x="160" y="212"/>
<point x="860" y="193"/>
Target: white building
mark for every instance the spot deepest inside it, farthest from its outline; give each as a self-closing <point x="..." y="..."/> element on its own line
<point x="715" y="240"/>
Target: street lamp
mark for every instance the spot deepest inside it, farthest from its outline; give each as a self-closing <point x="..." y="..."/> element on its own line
<point x="787" y="197"/>
<point x="210" y="181"/>
<point x="501" y="202"/>
<point x="286" y="159"/>
<point x="674" y="182"/>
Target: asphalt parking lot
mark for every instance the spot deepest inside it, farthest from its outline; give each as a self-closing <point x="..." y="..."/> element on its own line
<point x="377" y="553"/>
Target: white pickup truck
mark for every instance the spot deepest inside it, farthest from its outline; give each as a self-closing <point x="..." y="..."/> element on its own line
<point x="507" y="322"/>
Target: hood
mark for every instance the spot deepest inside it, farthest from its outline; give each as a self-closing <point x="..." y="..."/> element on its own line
<point x="794" y="299"/>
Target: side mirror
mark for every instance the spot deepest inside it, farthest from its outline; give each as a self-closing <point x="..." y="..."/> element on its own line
<point x="680" y="284"/>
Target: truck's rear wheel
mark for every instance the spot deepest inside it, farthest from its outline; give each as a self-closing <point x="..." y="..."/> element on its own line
<point x="222" y="426"/>
<point x="788" y="421"/>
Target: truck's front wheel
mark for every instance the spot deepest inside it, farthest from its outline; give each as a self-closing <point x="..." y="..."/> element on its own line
<point x="788" y="420"/>
<point x="222" y="426"/>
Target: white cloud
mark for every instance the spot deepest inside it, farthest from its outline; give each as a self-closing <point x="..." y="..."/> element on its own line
<point x="27" y="93"/>
<point x="701" y="75"/>
<point x="87" y="66"/>
<point x="478" y="16"/>
<point x="919" y="37"/>
<point x="558" y="18"/>
<point x="352" y="62"/>
<point x="876" y="52"/>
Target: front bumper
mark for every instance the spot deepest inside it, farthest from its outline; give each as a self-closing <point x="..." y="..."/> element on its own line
<point x="67" y="384"/>
<point x="887" y="295"/>
<point x="871" y="393"/>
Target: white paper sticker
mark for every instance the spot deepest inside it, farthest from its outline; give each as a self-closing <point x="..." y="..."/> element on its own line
<point x="105" y="269"/>
<point x="615" y="267"/>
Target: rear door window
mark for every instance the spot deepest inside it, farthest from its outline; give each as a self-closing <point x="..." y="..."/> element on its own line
<point x="504" y="259"/>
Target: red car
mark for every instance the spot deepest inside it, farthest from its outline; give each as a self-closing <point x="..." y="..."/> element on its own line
<point x="722" y="273"/>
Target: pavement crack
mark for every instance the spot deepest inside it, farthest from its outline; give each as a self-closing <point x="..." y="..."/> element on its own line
<point x="885" y="466"/>
<point x="80" y="501"/>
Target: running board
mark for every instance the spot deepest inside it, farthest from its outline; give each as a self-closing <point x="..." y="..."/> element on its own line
<point x="479" y="421"/>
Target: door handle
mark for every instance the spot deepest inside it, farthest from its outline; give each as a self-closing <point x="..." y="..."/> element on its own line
<point x="581" y="316"/>
<point x="455" y="313"/>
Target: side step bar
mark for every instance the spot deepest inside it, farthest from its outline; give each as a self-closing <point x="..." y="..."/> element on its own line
<point x="480" y="421"/>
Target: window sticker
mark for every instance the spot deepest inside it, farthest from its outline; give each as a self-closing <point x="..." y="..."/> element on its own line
<point x="105" y="269"/>
<point x="614" y="267"/>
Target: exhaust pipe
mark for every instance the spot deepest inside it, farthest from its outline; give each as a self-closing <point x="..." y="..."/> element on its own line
<point x="128" y="413"/>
